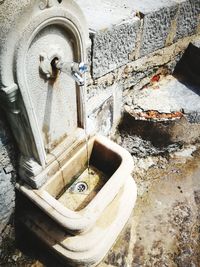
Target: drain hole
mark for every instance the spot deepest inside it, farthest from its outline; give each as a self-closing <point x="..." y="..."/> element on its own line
<point x="59" y="1"/>
<point x="79" y="187"/>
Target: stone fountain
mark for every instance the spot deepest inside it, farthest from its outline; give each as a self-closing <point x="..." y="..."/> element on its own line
<point x="80" y="185"/>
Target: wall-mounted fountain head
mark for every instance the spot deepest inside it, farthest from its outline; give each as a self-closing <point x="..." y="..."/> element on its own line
<point x="51" y="63"/>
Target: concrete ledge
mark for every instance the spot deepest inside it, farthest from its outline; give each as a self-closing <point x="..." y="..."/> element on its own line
<point x="167" y="96"/>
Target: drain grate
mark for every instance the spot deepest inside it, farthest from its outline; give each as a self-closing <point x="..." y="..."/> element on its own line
<point x="79" y="187"/>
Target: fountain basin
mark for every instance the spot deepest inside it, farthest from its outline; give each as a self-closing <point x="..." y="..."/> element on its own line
<point x="78" y="211"/>
<point x="86" y="249"/>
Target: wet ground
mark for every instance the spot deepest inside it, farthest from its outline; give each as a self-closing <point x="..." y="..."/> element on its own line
<point x="164" y="229"/>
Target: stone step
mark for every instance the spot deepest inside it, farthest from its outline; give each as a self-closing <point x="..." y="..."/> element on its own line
<point x="167" y="110"/>
<point x="171" y="97"/>
<point x="168" y="99"/>
<point x="122" y="31"/>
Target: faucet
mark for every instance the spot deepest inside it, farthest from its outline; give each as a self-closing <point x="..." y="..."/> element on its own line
<point x="73" y="69"/>
<point x="51" y="62"/>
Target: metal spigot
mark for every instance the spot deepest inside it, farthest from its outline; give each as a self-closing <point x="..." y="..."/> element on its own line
<point x="73" y="69"/>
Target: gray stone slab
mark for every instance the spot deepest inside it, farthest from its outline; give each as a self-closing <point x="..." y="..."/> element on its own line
<point x="188" y="18"/>
<point x="170" y="96"/>
<point x="111" y="48"/>
<point x="158" y="17"/>
<point x="116" y="26"/>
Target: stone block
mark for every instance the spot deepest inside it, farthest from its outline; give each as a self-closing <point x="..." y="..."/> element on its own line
<point x="111" y="47"/>
<point x="104" y="99"/>
<point x="101" y="120"/>
<point x="158" y="17"/>
<point x="188" y="18"/>
<point x="165" y="113"/>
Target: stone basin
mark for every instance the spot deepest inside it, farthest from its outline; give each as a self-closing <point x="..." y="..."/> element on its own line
<point x="59" y="197"/>
<point x="89" y="248"/>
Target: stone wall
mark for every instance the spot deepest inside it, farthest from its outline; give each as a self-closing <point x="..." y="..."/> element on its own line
<point x="141" y="39"/>
<point x="7" y="173"/>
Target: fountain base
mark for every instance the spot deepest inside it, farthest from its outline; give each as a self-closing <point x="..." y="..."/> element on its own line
<point x="89" y="248"/>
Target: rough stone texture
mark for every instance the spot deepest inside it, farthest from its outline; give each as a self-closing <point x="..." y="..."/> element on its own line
<point x="167" y="21"/>
<point x="7" y="199"/>
<point x="114" y="31"/>
<point x="138" y="73"/>
<point x="157" y="23"/>
<point x="145" y="146"/>
<point x="111" y="48"/>
<point x="7" y="173"/>
<point x="188" y="18"/>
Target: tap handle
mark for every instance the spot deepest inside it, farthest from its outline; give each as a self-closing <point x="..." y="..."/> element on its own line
<point x="83" y="68"/>
<point x="73" y="69"/>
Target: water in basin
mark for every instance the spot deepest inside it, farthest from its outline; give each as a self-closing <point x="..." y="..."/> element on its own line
<point x="83" y="189"/>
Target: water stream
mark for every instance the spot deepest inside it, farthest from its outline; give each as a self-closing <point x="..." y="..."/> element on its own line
<point x="83" y="99"/>
<point x="72" y="68"/>
<point x="77" y="72"/>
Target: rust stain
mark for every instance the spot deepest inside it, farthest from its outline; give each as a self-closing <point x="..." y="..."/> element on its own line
<point x="153" y="114"/>
<point x="155" y="78"/>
